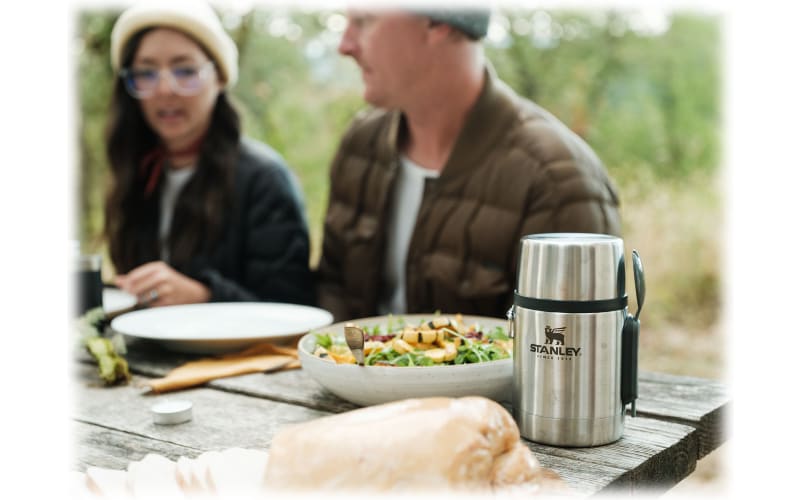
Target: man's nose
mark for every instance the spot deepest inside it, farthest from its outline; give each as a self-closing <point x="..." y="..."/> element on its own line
<point x="347" y="45"/>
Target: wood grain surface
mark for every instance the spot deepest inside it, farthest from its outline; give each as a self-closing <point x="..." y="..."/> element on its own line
<point x="680" y="420"/>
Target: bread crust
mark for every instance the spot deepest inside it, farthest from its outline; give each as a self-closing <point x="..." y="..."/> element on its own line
<point x="429" y="444"/>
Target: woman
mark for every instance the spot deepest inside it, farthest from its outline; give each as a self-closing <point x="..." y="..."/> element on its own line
<point x="196" y="213"/>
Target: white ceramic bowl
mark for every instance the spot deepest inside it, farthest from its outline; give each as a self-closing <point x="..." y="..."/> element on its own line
<point x="369" y="385"/>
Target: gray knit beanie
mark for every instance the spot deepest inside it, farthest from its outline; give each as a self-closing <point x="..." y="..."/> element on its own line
<point x="474" y="22"/>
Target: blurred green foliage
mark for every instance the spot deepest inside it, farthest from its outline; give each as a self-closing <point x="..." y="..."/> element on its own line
<point x="642" y="101"/>
<point x="642" y="87"/>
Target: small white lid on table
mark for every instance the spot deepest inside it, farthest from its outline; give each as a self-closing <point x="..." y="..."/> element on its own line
<point x="172" y="411"/>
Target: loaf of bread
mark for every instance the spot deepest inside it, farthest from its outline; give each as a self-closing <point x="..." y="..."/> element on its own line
<point x="465" y="444"/>
<point x="427" y="445"/>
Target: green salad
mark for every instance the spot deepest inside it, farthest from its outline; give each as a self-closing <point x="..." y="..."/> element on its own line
<point x="439" y="341"/>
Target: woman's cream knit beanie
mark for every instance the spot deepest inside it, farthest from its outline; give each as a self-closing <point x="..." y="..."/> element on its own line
<point x="194" y="18"/>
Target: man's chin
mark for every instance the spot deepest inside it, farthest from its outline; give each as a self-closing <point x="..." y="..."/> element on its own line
<point x="376" y="100"/>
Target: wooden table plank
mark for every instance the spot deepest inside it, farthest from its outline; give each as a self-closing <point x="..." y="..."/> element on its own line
<point x="255" y="421"/>
<point x="680" y="420"/>
<point x="584" y="480"/>
<point x="703" y="394"/>
<point x="290" y="386"/>
<point x="113" y="449"/>
<point x="701" y="403"/>
<point x="240" y="421"/>
<point x="651" y="455"/>
<point x="691" y="401"/>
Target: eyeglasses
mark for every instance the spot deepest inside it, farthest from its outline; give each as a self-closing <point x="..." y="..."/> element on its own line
<point x="185" y="80"/>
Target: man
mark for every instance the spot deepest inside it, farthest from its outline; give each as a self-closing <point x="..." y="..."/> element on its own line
<point x="432" y="189"/>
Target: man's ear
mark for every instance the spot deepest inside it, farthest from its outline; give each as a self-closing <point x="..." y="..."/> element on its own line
<point x="439" y="31"/>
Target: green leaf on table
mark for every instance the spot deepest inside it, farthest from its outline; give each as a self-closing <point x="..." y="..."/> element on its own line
<point x="112" y="366"/>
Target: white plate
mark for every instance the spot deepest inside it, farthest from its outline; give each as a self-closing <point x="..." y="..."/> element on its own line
<point x="369" y="385"/>
<point x="115" y="299"/>
<point x="218" y="327"/>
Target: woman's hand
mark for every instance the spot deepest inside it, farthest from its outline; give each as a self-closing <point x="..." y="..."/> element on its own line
<point x="158" y="284"/>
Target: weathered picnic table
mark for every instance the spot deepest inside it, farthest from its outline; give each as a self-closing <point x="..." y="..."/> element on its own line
<point x="679" y="420"/>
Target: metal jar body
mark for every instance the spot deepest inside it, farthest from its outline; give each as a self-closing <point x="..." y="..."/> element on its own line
<point x="567" y="363"/>
<point x="568" y="394"/>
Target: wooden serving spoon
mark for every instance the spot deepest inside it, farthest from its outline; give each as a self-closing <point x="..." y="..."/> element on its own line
<point x="354" y="336"/>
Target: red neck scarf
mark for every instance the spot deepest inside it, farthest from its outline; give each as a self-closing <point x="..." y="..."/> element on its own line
<point x="153" y="162"/>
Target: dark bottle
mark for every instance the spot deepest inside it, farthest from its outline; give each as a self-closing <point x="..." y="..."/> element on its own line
<point x="89" y="283"/>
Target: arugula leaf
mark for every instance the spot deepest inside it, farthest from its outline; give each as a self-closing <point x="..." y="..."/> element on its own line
<point x="497" y="334"/>
<point x="413" y="359"/>
<point x="392" y="357"/>
<point x="385" y="355"/>
<point x="479" y="352"/>
<point x="324" y="340"/>
<point x="423" y="360"/>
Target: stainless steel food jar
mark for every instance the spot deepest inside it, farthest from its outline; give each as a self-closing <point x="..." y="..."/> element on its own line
<point x="567" y="322"/>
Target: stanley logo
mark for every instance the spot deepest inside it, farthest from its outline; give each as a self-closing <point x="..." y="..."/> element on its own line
<point x="556" y="334"/>
<point x="553" y="347"/>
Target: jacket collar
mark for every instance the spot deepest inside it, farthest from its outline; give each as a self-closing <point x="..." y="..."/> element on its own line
<point x="483" y="129"/>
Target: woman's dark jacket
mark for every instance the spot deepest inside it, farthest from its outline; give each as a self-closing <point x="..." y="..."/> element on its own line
<point x="263" y="249"/>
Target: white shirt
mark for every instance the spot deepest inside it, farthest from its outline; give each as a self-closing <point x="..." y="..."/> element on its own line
<point x="176" y="179"/>
<point x="403" y="211"/>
